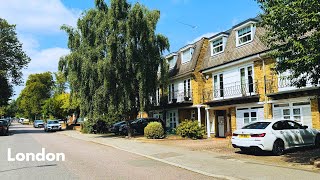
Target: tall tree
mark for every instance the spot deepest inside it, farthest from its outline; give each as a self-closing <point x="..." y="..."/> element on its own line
<point x="293" y="33"/>
<point x="12" y="60"/>
<point x="38" y="89"/>
<point x="115" y="55"/>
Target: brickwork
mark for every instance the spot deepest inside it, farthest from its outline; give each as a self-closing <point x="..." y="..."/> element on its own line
<point x="233" y="119"/>
<point x="315" y="113"/>
<point x="197" y="81"/>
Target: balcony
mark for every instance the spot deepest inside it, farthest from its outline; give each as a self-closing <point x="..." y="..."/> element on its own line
<point x="180" y="96"/>
<point x="284" y="83"/>
<point x="231" y="90"/>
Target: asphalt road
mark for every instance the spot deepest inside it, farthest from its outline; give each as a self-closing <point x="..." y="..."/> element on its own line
<point x="84" y="160"/>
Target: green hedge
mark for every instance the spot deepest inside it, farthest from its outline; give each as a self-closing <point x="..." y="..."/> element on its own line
<point x="190" y="129"/>
<point x="154" y="130"/>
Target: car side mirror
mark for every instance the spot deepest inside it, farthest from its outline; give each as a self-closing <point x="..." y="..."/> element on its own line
<point x="305" y="127"/>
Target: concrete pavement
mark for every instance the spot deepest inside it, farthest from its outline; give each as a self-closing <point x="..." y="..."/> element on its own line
<point x="209" y="164"/>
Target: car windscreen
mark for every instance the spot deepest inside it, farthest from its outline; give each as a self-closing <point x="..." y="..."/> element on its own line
<point x="257" y="125"/>
<point x="53" y="122"/>
<point x="3" y="122"/>
<point x="38" y="121"/>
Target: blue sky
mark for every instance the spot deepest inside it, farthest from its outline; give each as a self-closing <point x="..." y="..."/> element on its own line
<point x="38" y="23"/>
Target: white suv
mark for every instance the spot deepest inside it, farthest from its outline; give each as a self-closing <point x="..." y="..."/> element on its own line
<point x="274" y="135"/>
<point x="52" y="125"/>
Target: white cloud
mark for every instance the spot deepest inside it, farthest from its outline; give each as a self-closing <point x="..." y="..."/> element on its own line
<point x="44" y="16"/>
<point x="41" y="60"/>
<point x="207" y="35"/>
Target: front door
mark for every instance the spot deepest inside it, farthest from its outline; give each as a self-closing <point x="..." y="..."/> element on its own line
<point x="221" y="126"/>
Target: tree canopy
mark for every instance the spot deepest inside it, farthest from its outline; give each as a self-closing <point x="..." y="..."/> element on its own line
<point x="115" y="55"/>
<point x="12" y="60"/>
<point x="293" y="33"/>
<point x="38" y="89"/>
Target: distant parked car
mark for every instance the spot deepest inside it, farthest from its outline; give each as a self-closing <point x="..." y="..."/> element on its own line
<point x="21" y="120"/>
<point x="138" y="125"/>
<point x="4" y="127"/>
<point x="275" y="135"/>
<point x="26" y="121"/>
<point x="115" y="127"/>
<point x="52" y="125"/>
<point x="38" y="123"/>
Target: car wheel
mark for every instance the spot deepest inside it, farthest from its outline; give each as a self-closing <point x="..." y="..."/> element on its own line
<point x="317" y="141"/>
<point x="278" y="147"/>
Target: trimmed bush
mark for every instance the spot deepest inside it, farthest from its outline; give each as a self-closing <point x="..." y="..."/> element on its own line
<point x="190" y="129"/>
<point x="154" y="130"/>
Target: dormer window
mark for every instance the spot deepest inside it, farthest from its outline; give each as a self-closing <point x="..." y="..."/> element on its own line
<point x="245" y="35"/>
<point x="186" y="55"/>
<point x="218" y="44"/>
<point x="172" y="61"/>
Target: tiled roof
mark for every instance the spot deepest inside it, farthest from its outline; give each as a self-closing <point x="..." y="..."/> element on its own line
<point x="233" y="53"/>
<point x="181" y="70"/>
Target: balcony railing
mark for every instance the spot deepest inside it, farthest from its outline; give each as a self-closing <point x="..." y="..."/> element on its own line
<point x="282" y="83"/>
<point x="180" y="96"/>
<point x="231" y="90"/>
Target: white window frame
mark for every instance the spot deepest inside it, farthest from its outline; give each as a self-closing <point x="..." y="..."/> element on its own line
<point x="291" y="107"/>
<point x="247" y="77"/>
<point x="173" y="60"/>
<point x="187" y="88"/>
<point x="158" y="96"/>
<point x="190" y="49"/>
<point x="252" y="32"/>
<point x="223" y="38"/>
<point x="250" y="110"/>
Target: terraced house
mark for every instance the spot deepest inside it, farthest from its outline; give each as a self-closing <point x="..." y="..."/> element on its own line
<point x="183" y="100"/>
<point x="241" y="85"/>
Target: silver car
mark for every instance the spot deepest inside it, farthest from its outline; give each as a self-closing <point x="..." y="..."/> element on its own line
<point x="52" y="125"/>
<point x="38" y="123"/>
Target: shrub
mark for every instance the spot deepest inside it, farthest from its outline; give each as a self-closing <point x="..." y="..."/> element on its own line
<point x="87" y="127"/>
<point x="154" y="130"/>
<point x="190" y="129"/>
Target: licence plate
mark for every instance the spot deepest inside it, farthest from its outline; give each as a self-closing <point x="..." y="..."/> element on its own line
<point x="244" y="136"/>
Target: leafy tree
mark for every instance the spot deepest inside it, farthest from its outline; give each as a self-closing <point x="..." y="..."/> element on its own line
<point x="115" y="55"/>
<point x="57" y="106"/>
<point x="12" y="60"/>
<point x="38" y="89"/>
<point x="293" y="33"/>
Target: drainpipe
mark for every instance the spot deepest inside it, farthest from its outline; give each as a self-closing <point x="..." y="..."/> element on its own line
<point x="264" y="81"/>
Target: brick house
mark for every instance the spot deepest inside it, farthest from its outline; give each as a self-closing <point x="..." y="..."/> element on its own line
<point x="185" y="81"/>
<point x="240" y="85"/>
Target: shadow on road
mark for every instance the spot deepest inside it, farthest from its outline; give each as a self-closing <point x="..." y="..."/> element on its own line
<point x="29" y="167"/>
<point x="296" y="155"/>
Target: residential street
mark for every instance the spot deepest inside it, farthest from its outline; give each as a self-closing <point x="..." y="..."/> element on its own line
<point x="99" y="157"/>
<point x="84" y="160"/>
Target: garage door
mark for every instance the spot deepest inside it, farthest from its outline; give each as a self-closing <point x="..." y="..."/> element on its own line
<point x="297" y="111"/>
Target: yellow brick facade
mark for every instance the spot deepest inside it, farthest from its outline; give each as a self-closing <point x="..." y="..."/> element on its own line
<point x="197" y="81"/>
<point x="315" y="113"/>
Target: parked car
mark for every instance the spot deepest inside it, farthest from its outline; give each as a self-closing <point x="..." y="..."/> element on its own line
<point x="21" y="120"/>
<point x="38" y="123"/>
<point x="275" y="135"/>
<point x="115" y="127"/>
<point x="52" y="125"/>
<point x="138" y="125"/>
<point x="123" y="129"/>
<point x="4" y="127"/>
<point x="26" y="121"/>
